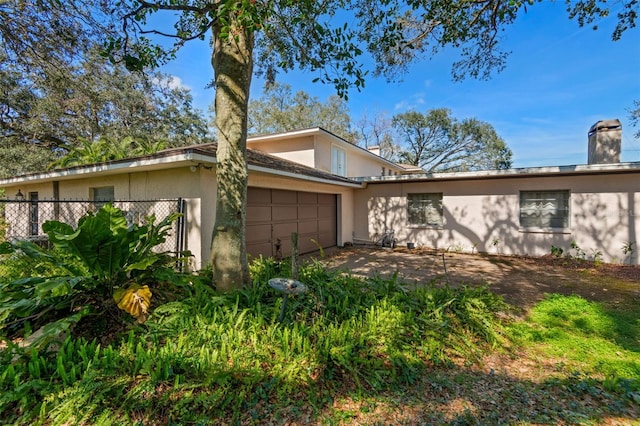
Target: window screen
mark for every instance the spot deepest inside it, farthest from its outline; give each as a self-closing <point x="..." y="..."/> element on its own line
<point x="102" y="195"/>
<point x="544" y="209"/>
<point x="424" y="209"/>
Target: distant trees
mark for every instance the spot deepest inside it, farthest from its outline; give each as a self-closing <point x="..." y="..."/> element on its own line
<point x="377" y="131"/>
<point x="435" y="141"/>
<point x="279" y="110"/>
<point x="634" y="116"/>
<point x="58" y="92"/>
<point x="107" y="149"/>
<point x="94" y="98"/>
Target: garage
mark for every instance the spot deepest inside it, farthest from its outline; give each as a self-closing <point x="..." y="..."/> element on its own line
<point x="273" y="214"/>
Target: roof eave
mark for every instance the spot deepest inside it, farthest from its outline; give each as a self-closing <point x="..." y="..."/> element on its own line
<point x="139" y="164"/>
<point x="573" y="170"/>
<point x="351" y="184"/>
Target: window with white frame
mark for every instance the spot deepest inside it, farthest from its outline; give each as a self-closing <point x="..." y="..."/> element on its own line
<point x="424" y="209"/>
<point x="338" y="161"/>
<point x="544" y="209"/>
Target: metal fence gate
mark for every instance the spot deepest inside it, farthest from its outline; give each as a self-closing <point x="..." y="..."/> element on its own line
<point x="22" y="220"/>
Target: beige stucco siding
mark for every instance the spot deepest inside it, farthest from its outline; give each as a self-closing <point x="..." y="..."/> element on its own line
<point x="299" y="150"/>
<point x="197" y="188"/>
<point x="359" y="162"/>
<point x="483" y="215"/>
<point x="315" y="150"/>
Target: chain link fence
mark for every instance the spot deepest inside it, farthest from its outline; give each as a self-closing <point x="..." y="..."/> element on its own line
<point x="22" y="220"/>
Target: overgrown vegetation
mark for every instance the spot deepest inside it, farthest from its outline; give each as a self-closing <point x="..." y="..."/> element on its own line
<point x="350" y="350"/>
<point x="218" y="356"/>
<point x="105" y="257"/>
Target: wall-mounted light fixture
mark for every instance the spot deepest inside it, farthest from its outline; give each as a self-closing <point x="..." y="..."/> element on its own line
<point x="19" y="196"/>
<point x="194" y="168"/>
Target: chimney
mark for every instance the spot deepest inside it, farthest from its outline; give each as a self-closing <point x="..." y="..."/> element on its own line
<point x="374" y="150"/>
<point x="605" y="138"/>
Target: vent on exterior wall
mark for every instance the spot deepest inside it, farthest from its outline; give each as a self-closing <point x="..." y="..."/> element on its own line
<point x="605" y="139"/>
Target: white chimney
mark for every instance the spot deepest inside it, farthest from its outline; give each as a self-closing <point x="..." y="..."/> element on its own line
<point x="605" y="139"/>
<point x="374" y="150"/>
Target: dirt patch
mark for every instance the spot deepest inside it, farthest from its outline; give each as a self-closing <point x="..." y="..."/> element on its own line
<point x="522" y="281"/>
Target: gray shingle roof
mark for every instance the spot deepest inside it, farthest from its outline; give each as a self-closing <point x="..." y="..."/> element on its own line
<point x="261" y="159"/>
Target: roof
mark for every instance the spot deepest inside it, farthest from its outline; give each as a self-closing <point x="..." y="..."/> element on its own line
<point x="262" y="160"/>
<point x="312" y="131"/>
<point x="182" y="157"/>
<point x="573" y="170"/>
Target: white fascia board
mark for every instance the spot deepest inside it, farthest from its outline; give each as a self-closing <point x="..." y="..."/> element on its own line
<point x="177" y="160"/>
<point x="304" y="177"/>
<point x="285" y="135"/>
<point x="583" y="169"/>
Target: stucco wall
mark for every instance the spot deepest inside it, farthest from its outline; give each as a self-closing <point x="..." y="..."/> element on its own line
<point x="197" y="188"/>
<point x="300" y="150"/>
<point x="363" y="164"/>
<point x="483" y="215"/>
<point x="315" y="151"/>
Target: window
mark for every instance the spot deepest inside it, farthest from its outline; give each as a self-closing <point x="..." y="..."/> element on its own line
<point x="338" y="161"/>
<point x="544" y="209"/>
<point x="102" y="195"/>
<point x="424" y="209"/>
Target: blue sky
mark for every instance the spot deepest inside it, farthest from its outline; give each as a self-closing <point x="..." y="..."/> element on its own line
<point x="560" y="79"/>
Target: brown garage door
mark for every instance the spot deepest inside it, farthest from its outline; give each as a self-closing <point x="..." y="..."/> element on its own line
<point x="273" y="214"/>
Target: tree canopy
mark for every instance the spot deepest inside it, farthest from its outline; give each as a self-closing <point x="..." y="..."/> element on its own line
<point x="57" y="91"/>
<point x="437" y="142"/>
<point x="634" y="116"/>
<point x="279" y="110"/>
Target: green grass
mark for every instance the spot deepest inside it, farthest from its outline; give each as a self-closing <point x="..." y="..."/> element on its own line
<point x="589" y="337"/>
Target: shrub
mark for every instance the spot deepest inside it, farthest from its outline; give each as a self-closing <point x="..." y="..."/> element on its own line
<point x="88" y="265"/>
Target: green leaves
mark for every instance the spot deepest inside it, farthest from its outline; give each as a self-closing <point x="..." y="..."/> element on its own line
<point x="435" y="141"/>
<point x="100" y="242"/>
<point x="87" y="264"/>
<point x="280" y="110"/>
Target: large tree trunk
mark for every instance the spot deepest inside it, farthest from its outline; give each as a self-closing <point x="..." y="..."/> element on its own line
<point x="233" y="66"/>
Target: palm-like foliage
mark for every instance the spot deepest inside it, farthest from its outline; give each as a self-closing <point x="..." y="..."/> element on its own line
<point x="107" y="149"/>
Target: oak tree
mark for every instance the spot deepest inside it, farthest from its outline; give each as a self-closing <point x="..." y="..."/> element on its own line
<point x="438" y="142"/>
<point x="58" y="92"/>
<point x="279" y="110"/>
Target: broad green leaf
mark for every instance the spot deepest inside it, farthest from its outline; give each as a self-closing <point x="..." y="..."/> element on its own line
<point x="6" y="248"/>
<point x="57" y="286"/>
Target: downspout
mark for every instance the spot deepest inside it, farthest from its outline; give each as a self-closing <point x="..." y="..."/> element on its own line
<point x="56" y="199"/>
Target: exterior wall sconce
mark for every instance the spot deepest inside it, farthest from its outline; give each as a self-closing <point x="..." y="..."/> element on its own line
<point x="195" y="167"/>
<point x="19" y="196"/>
